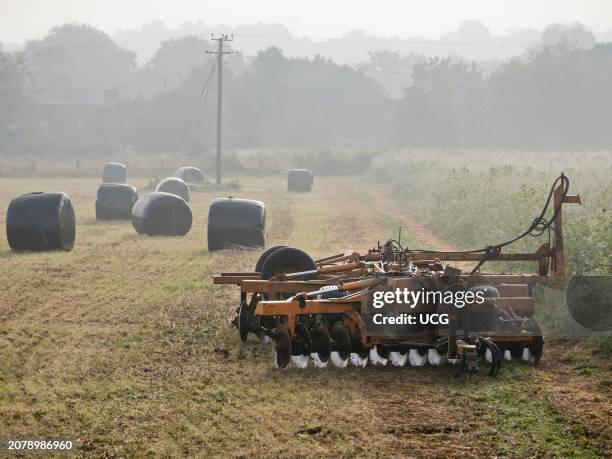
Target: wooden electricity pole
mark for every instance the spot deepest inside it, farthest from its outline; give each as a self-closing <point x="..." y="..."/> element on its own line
<point x="220" y="40"/>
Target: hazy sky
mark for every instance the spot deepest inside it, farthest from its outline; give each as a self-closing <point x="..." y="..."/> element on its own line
<point x="22" y="19"/>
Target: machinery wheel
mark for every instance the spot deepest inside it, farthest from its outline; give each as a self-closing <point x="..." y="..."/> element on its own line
<point x="264" y="256"/>
<point x="286" y="260"/>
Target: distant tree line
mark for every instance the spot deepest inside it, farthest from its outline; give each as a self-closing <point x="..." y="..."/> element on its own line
<point x="559" y="96"/>
<point x="76" y="90"/>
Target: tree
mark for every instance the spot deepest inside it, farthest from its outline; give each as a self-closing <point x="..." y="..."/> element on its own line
<point x="573" y="35"/>
<point x="442" y="106"/>
<point x="172" y="62"/>
<point x="76" y="63"/>
<point x="391" y="70"/>
<point x="12" y="80"/>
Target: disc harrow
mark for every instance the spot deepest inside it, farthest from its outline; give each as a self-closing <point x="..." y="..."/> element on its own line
<point x="317" y="312"/>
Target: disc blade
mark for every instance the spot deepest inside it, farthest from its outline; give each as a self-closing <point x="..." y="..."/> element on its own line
<point x="340" y="340"/>
<point x="318" y="361"/>
<point x="376" y="358"/>
<point x="338" y="360"/>
<point x="416" y="359"/>
<point x="358" y="361"/>
<point x="300" y="361"/>
<point x="282" y="346"/>
<point x="398" y="359"/>
<point x="434" y="357"/>
<point x="320" y="344"/>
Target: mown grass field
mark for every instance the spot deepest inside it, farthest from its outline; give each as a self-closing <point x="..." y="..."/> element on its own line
<point x="124" y="345"/>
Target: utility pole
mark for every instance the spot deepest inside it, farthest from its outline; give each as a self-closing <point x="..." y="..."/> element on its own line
<point x="220" y="40"/>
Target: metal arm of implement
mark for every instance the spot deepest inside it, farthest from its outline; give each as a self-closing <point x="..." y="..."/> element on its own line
<point x="542" y="255"/>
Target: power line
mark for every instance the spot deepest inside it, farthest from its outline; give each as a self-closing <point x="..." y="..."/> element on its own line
<point x="388" y="41"/>
<point x="392" y="72"/>
<point x="193" y="119"/>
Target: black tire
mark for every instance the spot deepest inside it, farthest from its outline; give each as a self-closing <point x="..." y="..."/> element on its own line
<point x="488" y="291"/>
<point x="264" y="256"/>
<point x="286" y="260"/>
<point x="487" y="319"/>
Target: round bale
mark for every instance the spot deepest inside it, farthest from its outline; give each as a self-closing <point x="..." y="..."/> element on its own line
<point x="114" y="173"/>
<point x="190" y="175"/>
<point x="300" y="180"/>
<point x="41" y="221"/>
<point x="236" y="221"/>
<point x="174" y="186"/>
<point x="161" y="214"/>
<point x="115" y="201"/>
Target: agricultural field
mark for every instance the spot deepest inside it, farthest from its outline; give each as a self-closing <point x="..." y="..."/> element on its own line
<point x="125" y="345"/>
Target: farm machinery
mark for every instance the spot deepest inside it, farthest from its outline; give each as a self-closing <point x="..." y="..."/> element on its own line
<point x="396" y="306"/>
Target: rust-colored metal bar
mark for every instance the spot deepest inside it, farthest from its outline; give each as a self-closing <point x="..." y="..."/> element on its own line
<point x="329" y="259"/>
<point x="283" y="308"/>
<point x="572" y="199"/>
<point x="292" y="309"/>
<point x="360" y="283"/>
<point x="338" y="268"/>
<point x="237" y="280"/>
<point x="265" y="286"/>
<point x="542" y="252"/>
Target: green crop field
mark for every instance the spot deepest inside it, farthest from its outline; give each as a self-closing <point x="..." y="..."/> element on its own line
<point x="125" y="345"/>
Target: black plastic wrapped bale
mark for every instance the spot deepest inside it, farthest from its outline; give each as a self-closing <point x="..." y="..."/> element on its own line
<point x="175" y="186"/>
<point x="115" y="201"/>
<point x="300" y="180"/>
<point x="41" y="221"/>
<point x="190" y="174"/>
<point x="240" y="222"/>
<point x="162" y="214"/>
<point x="114" y="173"/>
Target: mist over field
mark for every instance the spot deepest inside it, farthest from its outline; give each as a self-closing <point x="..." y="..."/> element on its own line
<point x="442" y="127"/>
<point x="80" y="91"/>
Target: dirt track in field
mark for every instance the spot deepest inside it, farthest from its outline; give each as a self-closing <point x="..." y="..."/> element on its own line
<point x="125" y="344"/>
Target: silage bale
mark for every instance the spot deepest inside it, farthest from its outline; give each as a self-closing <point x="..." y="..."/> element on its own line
<point x="236" y="221"/>
<point x="190" y="175"/>
<point x="162" y="214"/>
<point x="175" y="186"/>
<point x="115" y="201"/>
<point x="41" y="221"/>
<point x="300" y="180"/>
<point x="114" y="173"/>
